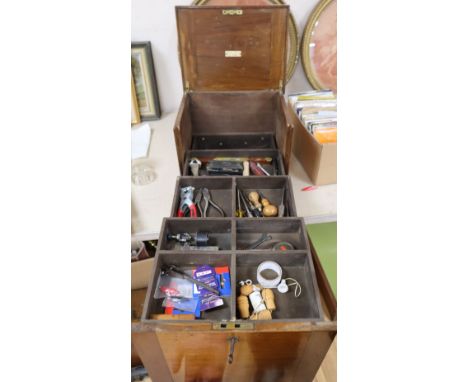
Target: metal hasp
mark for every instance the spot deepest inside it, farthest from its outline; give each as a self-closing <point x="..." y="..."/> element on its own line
<point x="233" y="341"/>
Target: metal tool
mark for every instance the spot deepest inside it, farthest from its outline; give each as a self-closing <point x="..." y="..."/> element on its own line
<point x="200" y="239"/>
<point x="186" y="202"/>
<point x="247" y="210"/>
<point x="260" y="241"/>
<point x="197" y="200"/>
<point x="255" y="203"/>
<point x="172" y="268"/>
<point x="195" y="165"/>
<point x="255" y="212"/>
<point x="281" y="206"/>
<point x="254" y="169"/>
<point x="225" y="167"/>
<point x="263" y="169"/>
<point x="240" y="211"/>
<point x="207" y="203"/>
<point x="180" y="237"/>
<point x="268" y="210"/>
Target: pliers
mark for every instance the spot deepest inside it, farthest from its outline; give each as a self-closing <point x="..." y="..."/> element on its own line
<point x="207" y="199"/>
<point x="186" y="201"/>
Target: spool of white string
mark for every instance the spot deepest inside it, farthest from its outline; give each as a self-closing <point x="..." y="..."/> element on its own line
<point x="270" y="266"/>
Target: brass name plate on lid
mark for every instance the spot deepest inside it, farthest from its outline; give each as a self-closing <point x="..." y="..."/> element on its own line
<point x="232" y="53"/>
<point x="232" y="12"/>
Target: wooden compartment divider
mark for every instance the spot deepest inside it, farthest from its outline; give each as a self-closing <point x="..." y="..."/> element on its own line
<point x="205" y="155"/>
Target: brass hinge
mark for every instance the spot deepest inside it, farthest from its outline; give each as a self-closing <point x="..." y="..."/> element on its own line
<point x="281" y="86"/>
<point x="187" y="86"/>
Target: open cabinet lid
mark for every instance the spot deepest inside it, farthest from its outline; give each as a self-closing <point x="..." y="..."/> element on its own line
<point x="233" y="48"/>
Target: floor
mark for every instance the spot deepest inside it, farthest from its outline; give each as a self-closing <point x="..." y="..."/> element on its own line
<point x="327" y="372"/>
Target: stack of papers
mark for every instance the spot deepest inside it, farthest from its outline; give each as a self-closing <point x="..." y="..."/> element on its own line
<point x="317" y="110"/>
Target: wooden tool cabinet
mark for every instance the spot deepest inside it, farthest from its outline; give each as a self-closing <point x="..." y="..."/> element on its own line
<point x="233" y="63"/>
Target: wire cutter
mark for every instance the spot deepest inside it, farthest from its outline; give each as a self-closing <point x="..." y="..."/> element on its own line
<point x="186" y="202"/>
<point x="204" y="204"/>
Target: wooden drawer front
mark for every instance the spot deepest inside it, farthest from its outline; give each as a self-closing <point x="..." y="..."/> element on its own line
<point x="192" y="356"/>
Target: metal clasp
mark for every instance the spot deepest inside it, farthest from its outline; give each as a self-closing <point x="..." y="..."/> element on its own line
<point x="233" y="341"/>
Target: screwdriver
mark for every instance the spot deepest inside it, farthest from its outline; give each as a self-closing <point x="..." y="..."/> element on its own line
<point x="269" y="210"/>
<point x="247" y="210"/>
<point x="255" y="211"/>
<point x="254" y="198"/>
<point x="239" y="212"/>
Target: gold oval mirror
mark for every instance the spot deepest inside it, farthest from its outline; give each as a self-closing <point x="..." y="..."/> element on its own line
<point x="319" y="46"/>
<point x="293" y="45"/>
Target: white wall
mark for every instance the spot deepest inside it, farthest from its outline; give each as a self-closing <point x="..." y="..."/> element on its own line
<point x="154" y="20"/>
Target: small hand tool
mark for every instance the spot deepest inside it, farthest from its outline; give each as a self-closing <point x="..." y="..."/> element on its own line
<point x="281" y="206"/>
<point x="269" y="210"/>
<point x="263" y="170"/>
<point x="246" y="168"/>
<point x="186" y="202"/>
<point x="207" y="199"/>
<point x="195" y="165"/>
<point x="255" y="212"/>
<point x="200" y="239"/>
<point x="247" y="209"/>
<point x="225" y="167"/>
<point x="260" y="241"/>
<point x="255" y="169"/>
<point x="239" y="212"/>
<point x="180" y="237"/>
<point x="197" y="200"/>
<point x="265" y="202"/>
<point x="173" y="268"/>
<point x="254" y="197"/>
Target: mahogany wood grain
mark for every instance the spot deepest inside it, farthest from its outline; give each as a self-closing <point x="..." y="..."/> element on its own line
<point x="258" y="35"/>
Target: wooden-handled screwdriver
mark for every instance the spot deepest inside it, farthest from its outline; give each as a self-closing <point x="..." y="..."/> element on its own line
<point x="254" y="197"/>
<point x="269" y="210"/>
<point x="240" y="212"/>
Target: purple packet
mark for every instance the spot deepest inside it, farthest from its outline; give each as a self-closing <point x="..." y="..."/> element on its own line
<point x="207" y="275"/>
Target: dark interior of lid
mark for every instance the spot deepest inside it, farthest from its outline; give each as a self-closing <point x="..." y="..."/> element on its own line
<point x="233" y="48"/>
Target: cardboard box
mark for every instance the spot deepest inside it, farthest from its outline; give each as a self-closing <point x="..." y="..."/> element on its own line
<point x="141" y="273"/>
<point x="317" y="159"/>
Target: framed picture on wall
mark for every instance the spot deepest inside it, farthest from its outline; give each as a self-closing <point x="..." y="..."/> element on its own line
<point x="145" y="81"/>
<point x="135" y="110"/>
<point x="319" y="46"/>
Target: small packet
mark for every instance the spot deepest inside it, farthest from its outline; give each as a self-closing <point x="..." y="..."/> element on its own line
<point x="224" y="280"/>
<point x="169" y="286"/>
<point x="207" y="275"/>
<point x="184" y="304"/>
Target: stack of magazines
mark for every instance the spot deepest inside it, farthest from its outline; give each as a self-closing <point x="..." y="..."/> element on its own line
<point x="317" y="110"/>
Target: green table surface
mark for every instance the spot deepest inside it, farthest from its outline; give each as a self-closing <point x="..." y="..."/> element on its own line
<point x="323" y="237"/>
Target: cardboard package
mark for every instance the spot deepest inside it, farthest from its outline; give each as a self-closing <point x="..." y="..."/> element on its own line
<point x="317" y="159"/>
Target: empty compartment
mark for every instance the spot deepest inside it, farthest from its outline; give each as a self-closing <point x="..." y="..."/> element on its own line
<point x="187" y="262"/>
<point x="273" y="234"/>
<point x="233" y="141"/>
<point x="270" y="160"/>
<point x="202" y="234"/>
<point x="276" y="189"/>
<point x="220" y="189"/>
<point x="297" y="266"/>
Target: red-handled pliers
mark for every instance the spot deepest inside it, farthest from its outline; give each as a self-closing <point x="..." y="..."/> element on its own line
<point x="186" y="201"/>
